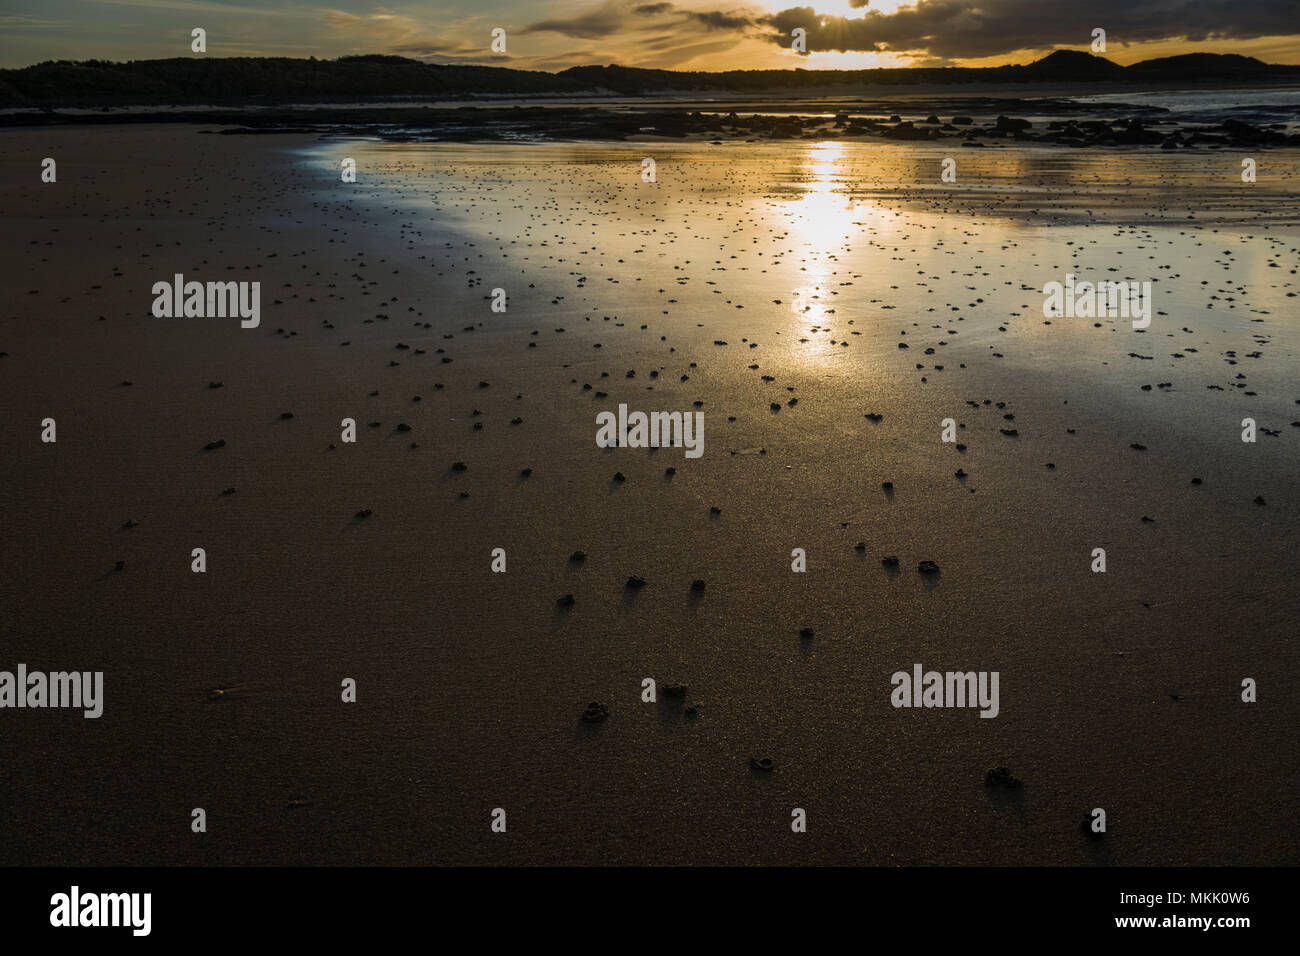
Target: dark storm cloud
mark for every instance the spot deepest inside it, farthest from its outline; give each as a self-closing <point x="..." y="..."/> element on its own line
<point x="614" y="17"/>
<point x="719" y="21"/>
<point x="943" y="30"/>
<point x="966" y="28"/>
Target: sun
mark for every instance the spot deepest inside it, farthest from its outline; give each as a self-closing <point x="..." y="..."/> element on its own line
<point x="842" y="8"/>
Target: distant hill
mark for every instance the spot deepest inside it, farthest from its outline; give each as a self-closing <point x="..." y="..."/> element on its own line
<point x="247" y="80"/>
<point x="1217" y="65"/>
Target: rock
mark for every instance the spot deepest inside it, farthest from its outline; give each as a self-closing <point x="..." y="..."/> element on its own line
<point x="1085" y="824"/>
<point x="578" y="557"/>
<point x="806" y="633"/>
<point x="674" y="690"/>
<point x="927" y="567"/>
<point x="214" y="445"/>
<point x="698" y="585"/>
<point x="595" y="712"/>
<point x="1001" y="777"/>
<point x="761" y="764"/>
<point x="890" y="561"/>
<point x="565" y="601"/>
<point x="635" y="581"/>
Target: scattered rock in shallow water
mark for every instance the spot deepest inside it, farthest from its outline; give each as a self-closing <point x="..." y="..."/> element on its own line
<point x="928" y="567"/>
<point x="1085" y="824"/>
<point x="762" y="764"/>
<point x="595" y="712"/>
<point x="1001" y="777"/>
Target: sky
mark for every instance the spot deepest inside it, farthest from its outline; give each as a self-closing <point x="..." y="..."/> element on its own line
<point x="663" y="34"/>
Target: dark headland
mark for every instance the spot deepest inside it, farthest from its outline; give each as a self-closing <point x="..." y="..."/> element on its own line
<point x="407" y="100"/>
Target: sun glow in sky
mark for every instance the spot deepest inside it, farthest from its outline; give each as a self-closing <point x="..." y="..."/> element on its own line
<point x="841" y="8"/>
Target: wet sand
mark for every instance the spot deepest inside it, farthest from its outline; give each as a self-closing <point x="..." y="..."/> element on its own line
<point x="811" y="261"/>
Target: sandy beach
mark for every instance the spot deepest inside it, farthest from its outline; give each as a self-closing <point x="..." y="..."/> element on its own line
<point x="785" y="290"/>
